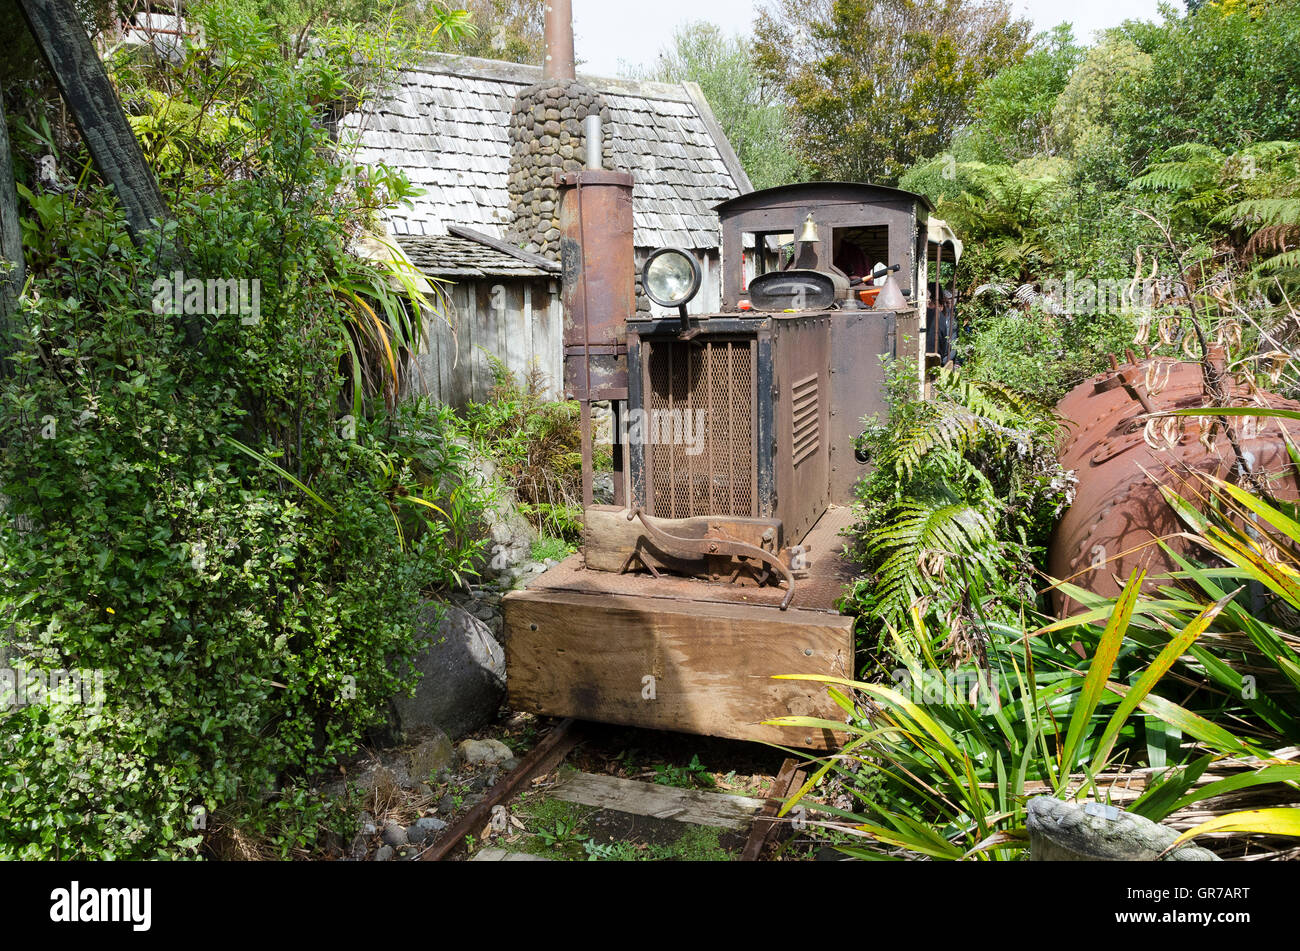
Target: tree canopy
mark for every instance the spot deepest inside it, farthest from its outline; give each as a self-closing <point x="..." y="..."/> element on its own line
<point x="874" y="85"/>
<point x="511" y="30"/>
<point x="744" y="102"/>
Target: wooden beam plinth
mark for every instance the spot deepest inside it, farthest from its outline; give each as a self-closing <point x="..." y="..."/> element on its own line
<point x="691" y="666"/>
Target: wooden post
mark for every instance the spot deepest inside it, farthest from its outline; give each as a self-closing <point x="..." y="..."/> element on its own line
<point x="97" y="111"/>
<point x="12" y="273"/>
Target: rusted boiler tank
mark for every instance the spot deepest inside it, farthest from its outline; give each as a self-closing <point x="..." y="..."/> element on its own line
<point x="1122" y="454"/>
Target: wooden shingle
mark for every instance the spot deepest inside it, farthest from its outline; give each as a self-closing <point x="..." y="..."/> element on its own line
<point x="446" y="124"/>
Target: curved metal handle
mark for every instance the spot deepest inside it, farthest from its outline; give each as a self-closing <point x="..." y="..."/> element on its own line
<point x="689" y="548"/>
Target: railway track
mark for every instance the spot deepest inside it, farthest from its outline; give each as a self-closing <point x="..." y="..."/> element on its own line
<point x="753" y="818"/>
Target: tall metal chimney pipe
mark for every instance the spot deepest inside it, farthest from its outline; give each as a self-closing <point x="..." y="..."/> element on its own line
<point x="559" y="40"/>
<point x="595" y="143"/>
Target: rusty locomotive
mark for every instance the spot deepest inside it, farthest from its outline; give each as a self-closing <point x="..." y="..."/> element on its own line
<point x="720" y="563"/>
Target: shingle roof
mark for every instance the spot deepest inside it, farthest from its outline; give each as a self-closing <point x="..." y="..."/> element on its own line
<point x="446" y="124"/>
<point x="447" y="255"/>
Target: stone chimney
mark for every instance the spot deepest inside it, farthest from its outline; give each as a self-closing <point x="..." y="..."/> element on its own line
<point x="546" y="138"/>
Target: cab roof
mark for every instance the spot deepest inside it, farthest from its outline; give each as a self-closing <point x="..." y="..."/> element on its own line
<point x="863" y="192"/>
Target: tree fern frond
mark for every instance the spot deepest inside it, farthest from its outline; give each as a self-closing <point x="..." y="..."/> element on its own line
<point x="1264" y="211"/>
<point x="918" y="535"/>
<point x="1174" y="177"/>
<point x="1273" y="239"/>
<point x="951" y="427"/>
<point x="987" y="397"/>
<point x="1286" y="261"/>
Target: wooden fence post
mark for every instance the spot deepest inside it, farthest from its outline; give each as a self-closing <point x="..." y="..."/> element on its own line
<point x="12" y="272"/>
<point x="97" y="111"/>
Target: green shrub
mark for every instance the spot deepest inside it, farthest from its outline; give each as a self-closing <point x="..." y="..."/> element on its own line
<point x="189" y="506"/>
<point x="955" y="514"/>
<point x="536" y="444"/>
<point x="1041" y="355"/>
<point x="547" y="548"/>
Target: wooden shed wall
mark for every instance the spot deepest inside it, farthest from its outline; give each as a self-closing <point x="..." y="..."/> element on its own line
<point x="518" y="320"/>
<point x="520" y="324"/>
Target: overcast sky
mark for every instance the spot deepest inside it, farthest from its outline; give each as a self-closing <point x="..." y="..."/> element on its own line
<point x="610" y="31"/>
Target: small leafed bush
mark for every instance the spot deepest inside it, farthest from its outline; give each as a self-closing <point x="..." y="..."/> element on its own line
<point x="536" y="444"/>
<point x="201" y="506"/>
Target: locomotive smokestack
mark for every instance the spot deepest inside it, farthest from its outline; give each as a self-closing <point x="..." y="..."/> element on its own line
<point x="559" y="41"/>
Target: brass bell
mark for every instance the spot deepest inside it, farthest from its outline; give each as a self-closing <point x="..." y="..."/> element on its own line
<point x="809" y="233"/>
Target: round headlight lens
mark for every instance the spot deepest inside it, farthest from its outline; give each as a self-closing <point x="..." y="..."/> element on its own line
<point x="671" y="277"/>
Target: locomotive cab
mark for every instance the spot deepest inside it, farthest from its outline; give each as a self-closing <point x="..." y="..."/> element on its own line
<point x="781" y="378"/>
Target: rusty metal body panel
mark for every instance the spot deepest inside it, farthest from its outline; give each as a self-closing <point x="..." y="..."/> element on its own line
<point x="801" y="358"/>
<point x="1118" y="510"/>
<point x="859" y="341"/>
<point x="760" y="389"/>
<point x="599" y="286"/>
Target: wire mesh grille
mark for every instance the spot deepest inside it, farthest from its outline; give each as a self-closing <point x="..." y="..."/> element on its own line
<point x="700" y="422"/>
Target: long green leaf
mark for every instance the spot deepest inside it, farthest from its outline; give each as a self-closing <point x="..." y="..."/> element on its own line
<point x="1282" y="821"/>
<point x="254" y="454"/>
<point x="1266" y="776"/>
<point x="1268" y="513"/>
<point x="1175" y="649"/>
<point x="1103" y="661"/>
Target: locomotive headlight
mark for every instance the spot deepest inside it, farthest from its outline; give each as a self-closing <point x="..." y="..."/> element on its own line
<point x="671" y="277"/>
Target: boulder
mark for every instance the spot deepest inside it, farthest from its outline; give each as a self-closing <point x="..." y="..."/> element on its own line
<point x="462" y="672"/>
<point x="424" y="831"/>
<point x="430" y="756"/>
<point x="510" y="536"/>
<point x="474" y="752"/>
<point x="394" y="834"/>
<point x="430" y="824"/>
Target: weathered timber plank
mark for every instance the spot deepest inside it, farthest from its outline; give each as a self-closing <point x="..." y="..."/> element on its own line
<point x="721" y="810"/>
<point x="12" y="273"/>
<point x="443" y="331"/>
<point x="553" y="358"/>
<point x="691" y="666"/>
<point x="462" y="372"/>
<point x="501" y="855"/>
<point x="518" y="330"/>
<point x="489" y="309"/>
<point x="95" y="108"/>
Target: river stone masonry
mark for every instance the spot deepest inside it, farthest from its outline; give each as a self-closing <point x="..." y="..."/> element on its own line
<point x="546" y="140"/>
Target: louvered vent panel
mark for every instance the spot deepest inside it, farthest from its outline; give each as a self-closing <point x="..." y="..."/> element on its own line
<point x="806" y="419"/>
